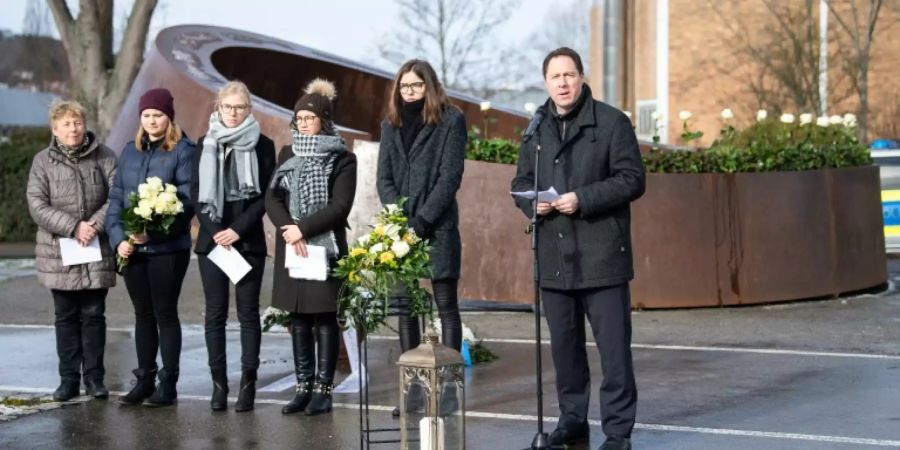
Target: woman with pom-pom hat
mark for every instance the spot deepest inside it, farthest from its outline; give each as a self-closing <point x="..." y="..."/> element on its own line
<point x="308" y="200"/>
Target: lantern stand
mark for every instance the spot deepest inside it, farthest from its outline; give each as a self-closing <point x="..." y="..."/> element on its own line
<point x="365" y="430"/>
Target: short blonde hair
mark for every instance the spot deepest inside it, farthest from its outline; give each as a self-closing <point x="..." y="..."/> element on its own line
<point x="231" y="88"/>
<point x="62" y="108"/>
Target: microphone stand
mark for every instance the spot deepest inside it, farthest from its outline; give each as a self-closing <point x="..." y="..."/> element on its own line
<point x="541" y="440"/>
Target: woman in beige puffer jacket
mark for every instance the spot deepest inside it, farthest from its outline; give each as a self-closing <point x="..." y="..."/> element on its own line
<point x="68" y="190"/>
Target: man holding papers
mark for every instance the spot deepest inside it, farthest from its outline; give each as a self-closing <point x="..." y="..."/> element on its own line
<point x="230" y="176"/>
<point x="67" y="195"/>
<point x="587" y="152"/>
<point x="308" y="200"/>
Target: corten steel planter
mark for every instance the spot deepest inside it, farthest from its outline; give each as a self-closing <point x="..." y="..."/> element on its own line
<point x="194" y="61"/>
<point x="701" y="239"/>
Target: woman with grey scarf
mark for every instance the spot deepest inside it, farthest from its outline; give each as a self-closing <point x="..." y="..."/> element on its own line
<point x="230" y="177"/>
<point x="309" y="199"/>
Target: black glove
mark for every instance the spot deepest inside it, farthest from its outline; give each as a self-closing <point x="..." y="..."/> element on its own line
<point x="420" y="226"/>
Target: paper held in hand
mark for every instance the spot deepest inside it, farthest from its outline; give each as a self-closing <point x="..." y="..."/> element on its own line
<point x="550" y="195"/>
<point x="73" y="253"/>
<point x="313" y="267"/>
<point x="231" y="262"/>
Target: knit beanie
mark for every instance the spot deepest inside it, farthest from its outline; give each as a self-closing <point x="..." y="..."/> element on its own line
<point x="317" y="99"/>
<point x="160" y="99"/>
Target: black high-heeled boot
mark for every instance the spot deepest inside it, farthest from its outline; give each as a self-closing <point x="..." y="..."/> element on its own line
<point x="247" y="394"/>
<point x="144" y="385"/>
<point x="304" y="368"/>
<point x="328" y="344"/>
<point x="219" y="400"/>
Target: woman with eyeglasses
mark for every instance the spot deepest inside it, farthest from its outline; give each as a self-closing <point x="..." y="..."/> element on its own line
<point x="231" y="174"/>
<point x="423" y="147"/>
<point x="308" y="200"/>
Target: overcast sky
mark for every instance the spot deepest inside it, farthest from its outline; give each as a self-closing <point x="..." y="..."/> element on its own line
<point x="347" y="28"/>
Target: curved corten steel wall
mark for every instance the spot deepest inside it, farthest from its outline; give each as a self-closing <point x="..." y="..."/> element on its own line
<point x="702" y="240"/>
<point x="194" y="61"/>
<point x="699" y="240"/>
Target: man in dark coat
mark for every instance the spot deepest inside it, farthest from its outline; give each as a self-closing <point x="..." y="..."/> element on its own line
<point x="587" y="152"/>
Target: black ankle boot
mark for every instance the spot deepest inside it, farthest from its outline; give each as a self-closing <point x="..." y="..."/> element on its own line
<point x="165" y="393"/>
<point x="301" y="398"/>
<point x="67" y="390"/>
<point x="144" y="385"/>
<point x="247" y="394"/>
<point x="320" y="403"/>
<point x="219" y="400"/>
<point x="95" y="388"/>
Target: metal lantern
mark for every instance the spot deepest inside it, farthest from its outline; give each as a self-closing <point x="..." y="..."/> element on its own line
<point x="432" y="397"/>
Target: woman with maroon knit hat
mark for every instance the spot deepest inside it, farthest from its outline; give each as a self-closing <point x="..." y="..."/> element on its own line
<point x="158" y="261"/>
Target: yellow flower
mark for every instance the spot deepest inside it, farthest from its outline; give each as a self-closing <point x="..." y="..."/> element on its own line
<point x="352" y="277"/>
<point x="379" y="230"/>
<point x="386" y="257"/>
<point x="409" y="238"/>
<point x="357" y="251"/>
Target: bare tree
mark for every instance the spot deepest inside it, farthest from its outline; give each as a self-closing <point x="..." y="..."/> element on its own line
<point x="450" y="33"/>
<point x="101" y="78"/>
<point x="37" y="19"/>
<point x="785" y="54"/>
<point x="857" y="18"/>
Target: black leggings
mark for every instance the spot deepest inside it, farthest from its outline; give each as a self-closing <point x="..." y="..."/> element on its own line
<point x="154" y="284"/>
<point x="445" y="297"/>
<point x="216" y="288"/>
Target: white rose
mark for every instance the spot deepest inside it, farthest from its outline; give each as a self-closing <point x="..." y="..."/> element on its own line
<point x="363" y="240"/>
<point x="787" y="118"/>
<point x="849" y="120"/>
<point x="377" y="248"/>
<point x="761" y="115"/>
<point x="485" y="106"/>
<point x="530" y="108"/>
<point x="822" y="121"/>
<point x="144" y="211"/>
<point x="392" y="231"/>
<point x="836" y="120"/>
<point x="656" y="115"/>
<point x="155" y="183"/>
<point x="400" y="248"/>
<point x="161" y="206"/>
<point x="468" y="335"/>
<point x="170" y="188"/>
<point x="684" y="115"/>
<point x="806" y="118"/>
<point x="727" y="114"/>
<point x="145" y="191"/>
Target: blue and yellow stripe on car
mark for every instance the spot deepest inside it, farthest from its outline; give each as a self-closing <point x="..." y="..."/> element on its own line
<point x="890" y="210"/>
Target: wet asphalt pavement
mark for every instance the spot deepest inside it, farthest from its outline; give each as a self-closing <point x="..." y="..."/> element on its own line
<point x="807" y="375"/>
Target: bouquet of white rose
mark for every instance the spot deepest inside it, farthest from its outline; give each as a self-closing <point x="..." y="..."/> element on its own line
<point x="390" y="255"/>
<point x="152" y="208"/>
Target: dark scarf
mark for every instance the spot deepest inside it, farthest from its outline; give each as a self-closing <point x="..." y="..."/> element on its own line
<point x="73" y="154"/>
<point x="411" y="116"/>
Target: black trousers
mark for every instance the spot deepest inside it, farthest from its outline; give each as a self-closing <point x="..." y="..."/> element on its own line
<point x="216" y="289"/>
<point x="608" y="310"/>
<point x="80" y="333"/>
<point x="154" y="285"/>
<point x="446" y="299"/>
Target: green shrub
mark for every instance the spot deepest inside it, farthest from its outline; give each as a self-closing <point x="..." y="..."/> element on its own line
<point x="767" y="146"/>
<point x="496" y="150"/>
<point x="15" y="162"/>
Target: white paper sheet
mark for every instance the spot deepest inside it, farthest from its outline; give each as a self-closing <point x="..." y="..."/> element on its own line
<point x="231" y="262"/>
<point x="73" y="253"/>
<point x="550" y="195"/>
<point x="313" y="267"/>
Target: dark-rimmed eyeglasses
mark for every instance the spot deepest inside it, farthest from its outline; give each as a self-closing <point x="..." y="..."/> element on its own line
<point x="238" y="108"/>
<point x="305" y="120"/>
<point x="412" y="87"/>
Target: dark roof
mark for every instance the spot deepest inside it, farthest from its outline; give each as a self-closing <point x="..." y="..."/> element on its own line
<point x="21" y="108"/>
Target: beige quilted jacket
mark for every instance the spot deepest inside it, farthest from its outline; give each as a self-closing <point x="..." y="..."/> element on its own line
<point x="61" y="194"/>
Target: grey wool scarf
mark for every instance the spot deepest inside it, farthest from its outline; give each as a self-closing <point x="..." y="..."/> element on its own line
<point x="240" y="180"/>
<point x="305" y="177"/>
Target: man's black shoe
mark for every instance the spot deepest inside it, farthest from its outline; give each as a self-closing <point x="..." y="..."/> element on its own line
<point x="95" y="388"/>
<point x="616" y="443"/>
<point x="569" y="435"/>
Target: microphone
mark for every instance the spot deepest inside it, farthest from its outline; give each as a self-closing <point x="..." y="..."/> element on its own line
<point x="533" y="125"/>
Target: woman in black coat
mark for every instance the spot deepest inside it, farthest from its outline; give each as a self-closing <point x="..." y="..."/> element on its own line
<point x="309" y="199"/>
<point x="423" y="148"/>
<point x="231" y="174"/>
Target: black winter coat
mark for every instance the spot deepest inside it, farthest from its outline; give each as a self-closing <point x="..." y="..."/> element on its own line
<point x="600" y="161"/>
<point x="429" y="175"/>
<point x="310" y="296"/>
<point x="242" y="216"/>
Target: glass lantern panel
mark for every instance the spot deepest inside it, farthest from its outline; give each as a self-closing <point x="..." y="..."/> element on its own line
<point x="451" y="406"/>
